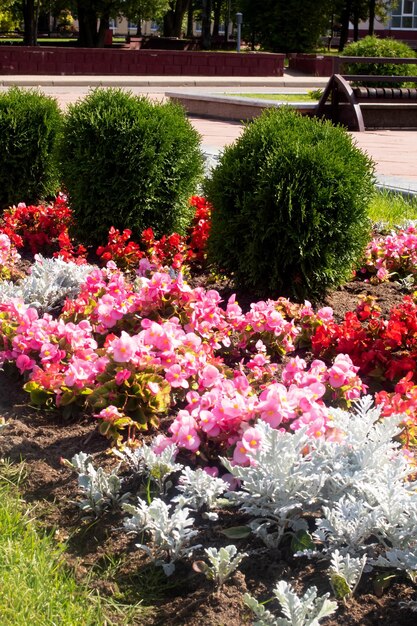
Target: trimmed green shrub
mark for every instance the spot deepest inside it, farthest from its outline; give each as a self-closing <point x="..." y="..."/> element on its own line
<point x="290" y="201"/>
<point x="129" y="163"/>
<point x="374" y="47"/>
<point x="29" y="128"/>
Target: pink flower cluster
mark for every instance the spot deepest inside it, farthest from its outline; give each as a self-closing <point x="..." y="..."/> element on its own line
<point x="8" y="256"/>
<point x="139" y="352"/>
<point x="394" y="254"/>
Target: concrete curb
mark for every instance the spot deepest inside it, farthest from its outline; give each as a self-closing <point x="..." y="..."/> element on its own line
<point x="162" y="81"/>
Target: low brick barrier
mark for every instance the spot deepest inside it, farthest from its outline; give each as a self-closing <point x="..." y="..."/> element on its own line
<point x="104" y="61"/>
<point x="312" y="64"/>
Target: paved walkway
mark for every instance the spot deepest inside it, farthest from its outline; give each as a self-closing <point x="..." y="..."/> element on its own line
<point x="395" y="152"/>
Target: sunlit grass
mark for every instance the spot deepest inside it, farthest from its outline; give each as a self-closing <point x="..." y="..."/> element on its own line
<point x="37" y="587"/>
<point x="281" y="97"/>
<point x="392" y="208"/>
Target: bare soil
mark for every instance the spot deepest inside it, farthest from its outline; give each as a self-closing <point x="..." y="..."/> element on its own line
<point x="41" y="439"/>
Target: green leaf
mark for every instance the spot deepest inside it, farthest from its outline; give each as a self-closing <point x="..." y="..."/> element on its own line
<point x="383" y="581"/>
<point x="67" y="398"/>
<point x="236" y="532"/>
<point x="340" y="587"/>
<point x="302" y="540"/>
<point x="38" y="397"/>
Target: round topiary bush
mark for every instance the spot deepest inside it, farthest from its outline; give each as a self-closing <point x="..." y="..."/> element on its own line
<point x="290" y="205"/>
<point x="375" y="47"/>
<point x="129" y="163"/>
<point x="29" y="128"/>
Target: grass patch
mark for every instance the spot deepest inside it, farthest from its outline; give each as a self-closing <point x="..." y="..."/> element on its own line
<point x="281" y="97"/>
<point x="37" y="587"/>
<point x="392" y="208"/>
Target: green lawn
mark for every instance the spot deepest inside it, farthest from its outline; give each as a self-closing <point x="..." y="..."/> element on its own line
<point x="37" y="588"/>
<point x="392" y="208"/>
<point x="281" y="97"/>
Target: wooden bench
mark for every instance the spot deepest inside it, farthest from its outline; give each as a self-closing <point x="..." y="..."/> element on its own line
<point x="348" y="103"/>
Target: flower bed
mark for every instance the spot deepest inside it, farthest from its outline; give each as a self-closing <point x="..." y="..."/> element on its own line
<point x="238" y="435"/>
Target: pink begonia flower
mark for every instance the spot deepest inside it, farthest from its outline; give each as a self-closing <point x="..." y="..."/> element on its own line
<point x="121" y="376"/>
<point x="240" y="454"/>
<point x="251" y="439"/>
<point x="109" y="414"/>
<point x="232" y="482"/>
<point x="382" y="274"/>
<point x="108" y="315"/>
<point x="51" y="352"/>
<point x="341" y="371"/>
<point x="154" y="388"/>
<point x="176" y="377"/>
<point x="209" y="376"/>
<point x="325" y="314"/>
<point x="211" y="471"/>
<point x="184" y="430"/>
<point x="208" y="423"/>
<point x="124" y="348"/>
<point x="335" y="435"/>
<point x="24" y="363"/>
<point x="160" y="443"/>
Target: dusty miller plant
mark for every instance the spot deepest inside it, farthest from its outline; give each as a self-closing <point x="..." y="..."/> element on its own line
<point x="49" y="283"/>
<point x="144" y="460"/>
<point x="199" y="489"/>
<point x="305" y="611"/>
<point x="170" y="532"/>
<point x="283" y="482"/>
<point x="221" y="563"/>
<point x="361" y="487"/>
<point x="101" y="490"/>
<point x="345" y="574"/>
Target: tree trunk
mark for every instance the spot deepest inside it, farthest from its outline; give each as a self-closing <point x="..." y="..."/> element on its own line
<point x="103" y="28"/>
<point x="206" y="25"/>
<point x="190" y="19"/>
<point x="355" y="24"/>
<point x="30" y="26"/>
<point x="139" y="26"/>
<point x="344" y="30"/>
<point x="217" y="7"/>
<point x="371" y="28"/>
<point x="173" y="18"/>
<point x="87" y="27"/>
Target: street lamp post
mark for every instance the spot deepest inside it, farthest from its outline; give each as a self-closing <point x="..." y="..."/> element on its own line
<point x="239" y="20"/>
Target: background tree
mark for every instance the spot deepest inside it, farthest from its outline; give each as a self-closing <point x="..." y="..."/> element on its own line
<point x="356" y="11"/>
<point x="9" y="19"/>
<point x="94" y="20"/>
<point x="174" y="17"/>
<point x="137" y="11"/>
<point x="286" y="25"/>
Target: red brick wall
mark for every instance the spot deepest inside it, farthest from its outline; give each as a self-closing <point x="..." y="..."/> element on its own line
<point x="67" y="61"/>
<point x="312" y="64"/>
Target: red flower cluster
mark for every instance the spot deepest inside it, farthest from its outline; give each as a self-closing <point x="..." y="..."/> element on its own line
<point x="200" y="228"/>
<point x="126" y="254"/>
<point x="171" y="250"/>
<point x="382" y="348"/>
<point x="42" y="228"/>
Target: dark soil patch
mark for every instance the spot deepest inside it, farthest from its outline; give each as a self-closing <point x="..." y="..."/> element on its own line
<point x="42" y="439"/>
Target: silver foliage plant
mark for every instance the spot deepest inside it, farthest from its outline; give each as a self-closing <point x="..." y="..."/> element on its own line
<point x="199" y="489"/>
<point x="170" y="530"/>
<point x="305" y="611"/>
<point x="221" y="563"/>
<point x="49" y="283"/>
<point x="345" y="574"/>
<point x="359" y="489"/>
<point x="100" y="489"/>
<point x="144" y="460"/>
